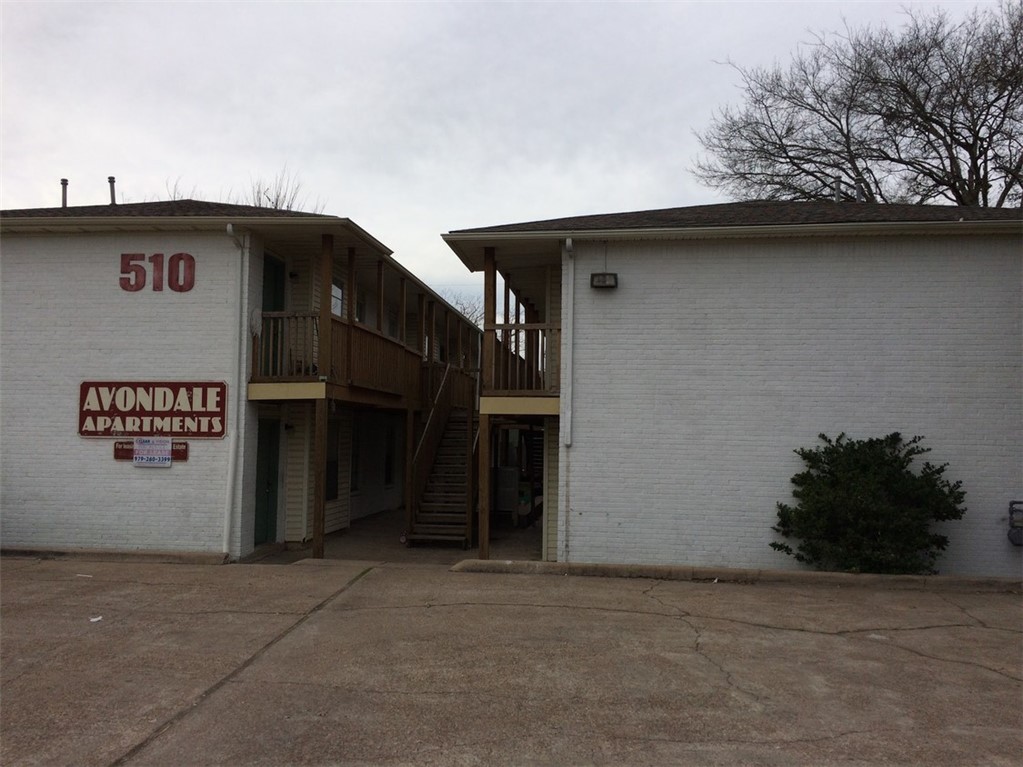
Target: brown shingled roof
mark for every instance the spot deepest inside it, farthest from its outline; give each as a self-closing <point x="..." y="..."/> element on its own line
<point x="758" y="213"/>
<point x="169" y="208"/>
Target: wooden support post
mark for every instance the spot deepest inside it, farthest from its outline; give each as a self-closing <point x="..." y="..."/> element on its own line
<point x="470" y="470"/>
<point x="506" y="338"/>
<point x="461" y="347"/>
<point x="484" y="484"/>
<point x="548" y="341"/>
<point x="380" y="296"/>
<point x="326" y="281"/>
<point x="518" y="344"/>
<point x="447" y="335"/>
<point x="421" y="320"/>
<point x="431" y="322"/>
<point x="353" y="297"/>
<point x="489" y="318"/>
<point x="530" y="349"/>
<point x="319" y="477"/>
<point x="403" y="311"/>
<point x="410" y="446"/>
<point x="421" y="335"/>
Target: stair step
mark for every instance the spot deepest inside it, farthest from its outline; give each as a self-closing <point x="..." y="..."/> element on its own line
<point x="439" y="518"/>
<point x="454" y="530"/>
<point x="442" y="507"/>
<point x="461" y="540"/>
<point x="445" y="500"/>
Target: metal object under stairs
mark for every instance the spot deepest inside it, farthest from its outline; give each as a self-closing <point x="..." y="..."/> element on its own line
<point x="441" y="515"/>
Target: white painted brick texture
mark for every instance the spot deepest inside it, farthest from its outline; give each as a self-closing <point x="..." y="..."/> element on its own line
<point x="696" y="379"/>
<point x="64" y="320"/>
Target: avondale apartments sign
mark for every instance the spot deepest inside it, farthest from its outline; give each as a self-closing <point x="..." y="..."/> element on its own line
<point x="193" y="409"/>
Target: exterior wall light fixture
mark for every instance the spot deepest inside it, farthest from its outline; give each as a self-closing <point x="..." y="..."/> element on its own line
<point x="604" y="280"/>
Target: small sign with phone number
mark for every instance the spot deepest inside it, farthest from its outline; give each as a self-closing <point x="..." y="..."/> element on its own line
<point x="152" y="451"/>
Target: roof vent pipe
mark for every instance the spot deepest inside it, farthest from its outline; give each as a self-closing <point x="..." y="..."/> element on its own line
<point x="838" y="189"/>
<point x="113" y="195"/>
<point x="63" y="193"/>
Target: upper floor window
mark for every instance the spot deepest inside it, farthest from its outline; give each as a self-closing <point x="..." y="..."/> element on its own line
<point x="337" y="298"/>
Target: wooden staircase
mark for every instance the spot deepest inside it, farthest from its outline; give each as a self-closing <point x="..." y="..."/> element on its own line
<point x="442" y="514"/>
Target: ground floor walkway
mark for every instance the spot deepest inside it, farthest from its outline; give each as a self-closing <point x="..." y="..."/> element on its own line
<point x="344" y="662"/>
<point x="377" y="538"/>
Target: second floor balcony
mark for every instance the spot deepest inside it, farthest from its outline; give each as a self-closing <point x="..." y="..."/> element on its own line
<point x="521" y="359"/>
<point x="288" y="350"/>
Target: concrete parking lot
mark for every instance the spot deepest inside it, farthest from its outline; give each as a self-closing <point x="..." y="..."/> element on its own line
<point x="334" y="662"/>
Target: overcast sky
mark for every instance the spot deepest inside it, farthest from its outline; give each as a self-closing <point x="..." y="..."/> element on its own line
<point x="412" y="119"/>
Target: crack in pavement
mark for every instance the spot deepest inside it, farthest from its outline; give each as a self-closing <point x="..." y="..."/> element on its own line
<point x="521" y="696"/>
<point x="921" y="653"/>
<point x="852" y="633"/>
<point x="680" y="615"/>
<point x="948" y="600"/>
<point x="205" y="694"/>
<point x="477" y="603"/>
<point x="684" y="617"/>
<point x="666" y="610"/>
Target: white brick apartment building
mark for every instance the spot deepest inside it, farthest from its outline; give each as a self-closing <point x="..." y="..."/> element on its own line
<point x="281" y="364"/>
<point x="670" y="361"/>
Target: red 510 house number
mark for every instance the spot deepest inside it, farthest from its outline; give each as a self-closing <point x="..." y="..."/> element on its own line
<point x="179" y="274"/>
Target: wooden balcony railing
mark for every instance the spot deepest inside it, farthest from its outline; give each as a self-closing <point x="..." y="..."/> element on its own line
<point x="382" y="363"/>
<point x="522" y="359"/>
<point x="287" y="349"/>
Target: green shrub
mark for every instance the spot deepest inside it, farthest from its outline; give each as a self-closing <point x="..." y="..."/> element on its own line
<point x="861" y="507"/>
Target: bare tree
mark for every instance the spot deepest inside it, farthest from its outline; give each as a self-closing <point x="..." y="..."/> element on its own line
<point x="176" y="192"/>
<point x="932" y="113"/>
<point x="282" y="192"/>
<point x="469" y="304"/>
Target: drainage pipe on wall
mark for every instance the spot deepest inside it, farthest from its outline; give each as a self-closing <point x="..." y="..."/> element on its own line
<point x="567" y="343"/>
<point x="234" y="447"/>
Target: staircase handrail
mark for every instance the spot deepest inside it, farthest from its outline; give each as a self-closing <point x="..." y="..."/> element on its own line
<point x="431" y="417"/>
<point x="429" y="442"/>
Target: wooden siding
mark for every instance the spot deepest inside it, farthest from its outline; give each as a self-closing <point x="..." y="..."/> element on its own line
<point x="297" y="452"/>
<point x="298" y="484"/>
<point x="553" y="362"/>
<point x="341" y="275"/>
<point x="338" y="511"/>
<point x="550" y="490"/>
<point x="300" y="288"/>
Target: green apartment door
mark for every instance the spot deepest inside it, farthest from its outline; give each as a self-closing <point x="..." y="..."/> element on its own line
<point x="273" y="284"/>
<point x="273" y="331"/>
<point x="267" y="461"/>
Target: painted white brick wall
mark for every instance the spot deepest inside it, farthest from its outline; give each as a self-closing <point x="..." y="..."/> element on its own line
<point x="696" y="379"/>
<point x="64" y="320"/>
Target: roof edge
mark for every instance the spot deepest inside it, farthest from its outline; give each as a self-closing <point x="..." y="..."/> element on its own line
<point x="457" y="239"/>
<point x="212" y="223"/>
<point x="738" y="230"/>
